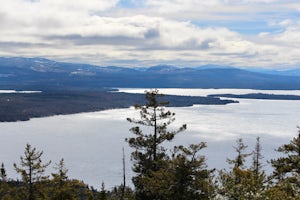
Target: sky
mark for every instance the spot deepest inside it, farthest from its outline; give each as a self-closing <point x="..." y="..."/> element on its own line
<point x="139" y="33"/>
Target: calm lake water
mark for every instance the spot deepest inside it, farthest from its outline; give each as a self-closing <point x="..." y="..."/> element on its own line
<point x="91" y="143"/>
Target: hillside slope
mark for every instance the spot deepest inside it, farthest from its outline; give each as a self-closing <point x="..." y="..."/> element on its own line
<point x="42" y="74"/>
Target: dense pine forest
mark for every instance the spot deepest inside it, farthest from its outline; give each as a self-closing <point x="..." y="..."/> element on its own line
<point x="24" y="106"/>
<point x="179" y="173"/>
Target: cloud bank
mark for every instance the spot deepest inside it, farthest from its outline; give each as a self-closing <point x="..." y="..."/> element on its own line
<point x="149" y="32"/>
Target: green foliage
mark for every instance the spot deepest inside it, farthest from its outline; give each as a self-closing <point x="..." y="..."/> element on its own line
<point x="240" y="159"/>
<point x="5" y="190"/>
<point x="81" y="190"/>
<point x="278" y="192"/>
<point x="258" y="174"/>
<point x="116" y="193"/>
<point x="103" y="192"/>
<point x="36" y="186"/>
<point x="242" y="183"/>
<point x="61" y="187"/>
<point x="32" y="171"/>
<point x="286" y="174"/>
<point x="190" y="178"/>
<point x="184" y="175"/>
<point x="149" y="146"/>
<point x="3" y="175"/>
<point x="149" y="149"/>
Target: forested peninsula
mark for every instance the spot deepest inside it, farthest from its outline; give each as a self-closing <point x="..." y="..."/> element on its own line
<point x="24" y="106"/>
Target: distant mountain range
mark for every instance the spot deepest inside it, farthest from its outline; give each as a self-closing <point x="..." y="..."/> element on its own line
<point x="43" y="74"/>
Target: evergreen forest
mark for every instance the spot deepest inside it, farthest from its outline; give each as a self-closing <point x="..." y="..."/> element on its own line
<point x="161" y="173"/>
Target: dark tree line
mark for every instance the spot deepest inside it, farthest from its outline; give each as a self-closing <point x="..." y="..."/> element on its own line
<point x="179" y="173"/>
<point x="23" y="106"/>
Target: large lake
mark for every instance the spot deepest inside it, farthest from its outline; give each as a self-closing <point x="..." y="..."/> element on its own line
<point x="91" y="143"/>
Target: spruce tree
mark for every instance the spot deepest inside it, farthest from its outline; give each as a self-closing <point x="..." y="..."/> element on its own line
<point x="239" y="160"/>
<point x="244" y="182"/>
<point x="257" y="157"/>
<point x="259" y="175"/>
<point x="32" y="171"/>
<point x="3" y="173"/>
<point x="61" y="189"/>
<point x="286" y="174"/>
<point x="190" y="177"/>
<point x="238" y="183"/>
<point x="103" y="192"/>
<point x="148" y="142"/>
<point x="5" y="190"/>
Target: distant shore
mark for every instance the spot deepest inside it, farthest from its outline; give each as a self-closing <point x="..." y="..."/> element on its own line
<point x="258" y="96"/>
<point x="22" y="106"/>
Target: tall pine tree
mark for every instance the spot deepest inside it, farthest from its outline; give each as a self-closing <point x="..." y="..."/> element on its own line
<point x="238" y="183"/>
<point x="32" y="171"/>
<point x="148" y="142"/>
<point x="190" y="177"/>
<point x="258" y="174"/>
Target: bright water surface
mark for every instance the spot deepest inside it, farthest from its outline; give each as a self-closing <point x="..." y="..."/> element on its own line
<point x="91" y="143"/>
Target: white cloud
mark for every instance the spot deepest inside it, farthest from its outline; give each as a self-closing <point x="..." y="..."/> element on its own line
<point x="90" y="5"/>
<point x="291" y="36"/>
<point x="286" y="22"/>
<point x="97" y="31"/>
<point x="201" y="3"/>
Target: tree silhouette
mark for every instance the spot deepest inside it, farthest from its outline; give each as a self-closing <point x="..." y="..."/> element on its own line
<point x="148" y="146"/>
<point x="62" y="190"/>
<point x="32" y="171"/>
